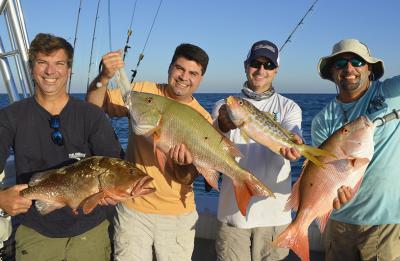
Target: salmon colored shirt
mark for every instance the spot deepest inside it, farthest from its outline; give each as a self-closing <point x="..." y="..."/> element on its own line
<point x="170" y="197"/>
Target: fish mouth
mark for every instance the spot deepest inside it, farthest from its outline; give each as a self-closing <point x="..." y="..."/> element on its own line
<point x="140" y="189"/>
<point x="367" y="121"/>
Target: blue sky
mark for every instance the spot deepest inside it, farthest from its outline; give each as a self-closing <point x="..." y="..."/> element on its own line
<point x="225" y="29"/>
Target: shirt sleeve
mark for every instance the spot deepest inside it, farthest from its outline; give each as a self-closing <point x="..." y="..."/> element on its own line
<point x="318" y="131"/>
<point x="6" y="135"/>
<point x="391" y="86"/>
<point x="292" y="120"/>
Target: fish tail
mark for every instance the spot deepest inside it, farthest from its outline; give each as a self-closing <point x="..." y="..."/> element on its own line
<point x="312" y="153"/>
<point x="247" y="188"/>
<point x="296" y="239"/>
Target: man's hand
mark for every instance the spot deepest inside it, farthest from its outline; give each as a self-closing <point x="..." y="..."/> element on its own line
<point x="11" y="201"/>
<point x="112" y="62"/>
<point x="345" y="194"/>
<point x="224" y="122"/>
<point x="292" y="153"/>
<point x="184" y="170"/>
<point x="181" y="155"/>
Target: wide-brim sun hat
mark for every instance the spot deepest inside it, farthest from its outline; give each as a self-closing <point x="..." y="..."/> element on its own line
<point x="350" y="46"/>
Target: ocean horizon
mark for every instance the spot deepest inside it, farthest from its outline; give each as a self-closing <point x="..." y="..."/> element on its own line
<point x="310" y="104"/>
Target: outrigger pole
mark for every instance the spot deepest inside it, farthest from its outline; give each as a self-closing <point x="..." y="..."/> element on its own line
<point x="91" y="49"/>
<point x="141" y="55"/>
<point x="76" y="32"/>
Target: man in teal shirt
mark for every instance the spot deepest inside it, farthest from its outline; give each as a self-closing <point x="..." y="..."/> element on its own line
<point x="367" y="227"/>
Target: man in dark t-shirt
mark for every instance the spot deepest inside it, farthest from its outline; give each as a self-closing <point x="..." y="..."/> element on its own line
<point x="44" y="131"/>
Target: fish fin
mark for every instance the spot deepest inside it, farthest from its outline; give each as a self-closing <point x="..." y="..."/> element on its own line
<point x="210" y="175"/>
<point x="269" y="114"/>
<point x="159" y="154"/>
<point x="359" y="162"/>
<point x="248" y="188"/>
<point x="311" y="154"/>
<point x="91" y="202"/>
<point x="323" y="220"/>
<point x="357" y="186"/>
<point x="44" y="207"/>
<point x="244" y="135"/>
<point x="293" y="201"/>
<point x="243" y="196"/>
<point x="162" y="159"/>
<point x="296" y="239"/>
<point x="231" y="147"/>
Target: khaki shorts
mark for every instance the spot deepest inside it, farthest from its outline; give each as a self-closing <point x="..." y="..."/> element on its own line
<point x="136" y="234"/>
<point x="91" y="245"/>
<point x="361" y="242"/>
<point x="248" y="244"/>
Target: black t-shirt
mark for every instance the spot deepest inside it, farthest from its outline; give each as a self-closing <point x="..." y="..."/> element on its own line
<point x="86" y="131"/>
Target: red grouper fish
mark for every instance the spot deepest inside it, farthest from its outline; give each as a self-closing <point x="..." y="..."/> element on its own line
<point x="167" y="123"/>
<point x="313" y="193"/>
<point x="85" y="183"/>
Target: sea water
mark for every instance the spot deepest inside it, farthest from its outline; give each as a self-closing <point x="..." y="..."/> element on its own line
<point x="309" y="103"/>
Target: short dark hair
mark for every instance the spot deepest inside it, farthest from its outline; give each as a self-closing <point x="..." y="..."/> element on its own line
<point x="47" y="43"/>
<point x="192" y="53"/>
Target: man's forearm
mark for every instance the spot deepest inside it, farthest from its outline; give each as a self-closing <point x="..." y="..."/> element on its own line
<point x="97" y="90"/>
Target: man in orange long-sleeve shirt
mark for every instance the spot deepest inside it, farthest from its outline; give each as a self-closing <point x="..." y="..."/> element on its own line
<point x="159" y="219"/>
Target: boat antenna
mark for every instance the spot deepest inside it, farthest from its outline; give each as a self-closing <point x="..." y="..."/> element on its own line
<point x="93" y="37"/>
<point x="129" y="32"/>
<point x="297" y="26"/>
<point x="76" y="32"/>
<point x="141" y="55"/>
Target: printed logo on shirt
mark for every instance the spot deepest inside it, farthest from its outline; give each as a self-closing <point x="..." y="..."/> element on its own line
<point x="277" y="116"/>
<point x="77" y="155"/>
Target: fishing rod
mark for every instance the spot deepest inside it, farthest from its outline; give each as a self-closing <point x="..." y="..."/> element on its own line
<point x="91" y="49"/>
<point x="129" y="32"/>
<point x="380" y="121"/>
<point x="109" y="25"/>
<point x="141" y="55"/>
<point x="297" y="26"/>
<point x="76" y="32"/>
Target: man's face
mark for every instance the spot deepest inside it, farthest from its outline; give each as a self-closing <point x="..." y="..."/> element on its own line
<point x="259" y="78"/>
<point x="50" y="72"/>
<point x="184" y="77"/>
<point x="351" y="74"/>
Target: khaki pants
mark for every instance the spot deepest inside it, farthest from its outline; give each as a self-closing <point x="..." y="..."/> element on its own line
<point x="136" y="233"/>
<point x="92" y="245"/>
<point x="361" y="242"/>
<point x="248" y="244"/>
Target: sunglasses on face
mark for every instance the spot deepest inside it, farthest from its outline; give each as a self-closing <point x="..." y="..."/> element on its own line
<point x="257" y="64"/>
<point x="342" y="62"/>
<point x="56" y="135"/>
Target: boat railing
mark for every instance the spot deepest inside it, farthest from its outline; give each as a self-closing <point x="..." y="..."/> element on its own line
<point x="14" y="52"/>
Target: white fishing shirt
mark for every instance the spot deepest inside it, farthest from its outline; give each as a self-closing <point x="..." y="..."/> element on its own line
<point x="272" y="169"/>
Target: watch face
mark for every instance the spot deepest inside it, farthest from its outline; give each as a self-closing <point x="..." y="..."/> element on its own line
<point x="3" y="213"/>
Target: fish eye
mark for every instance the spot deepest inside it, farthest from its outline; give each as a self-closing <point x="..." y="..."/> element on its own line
<point x="149" y="99"/>
<point x="240" y="102"/>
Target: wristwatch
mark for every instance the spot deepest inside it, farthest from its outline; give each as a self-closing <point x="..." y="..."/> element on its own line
<point x="3" y="214"/>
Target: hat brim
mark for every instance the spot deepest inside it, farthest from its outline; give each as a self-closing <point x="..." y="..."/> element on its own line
<point x="324" y="65"/>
